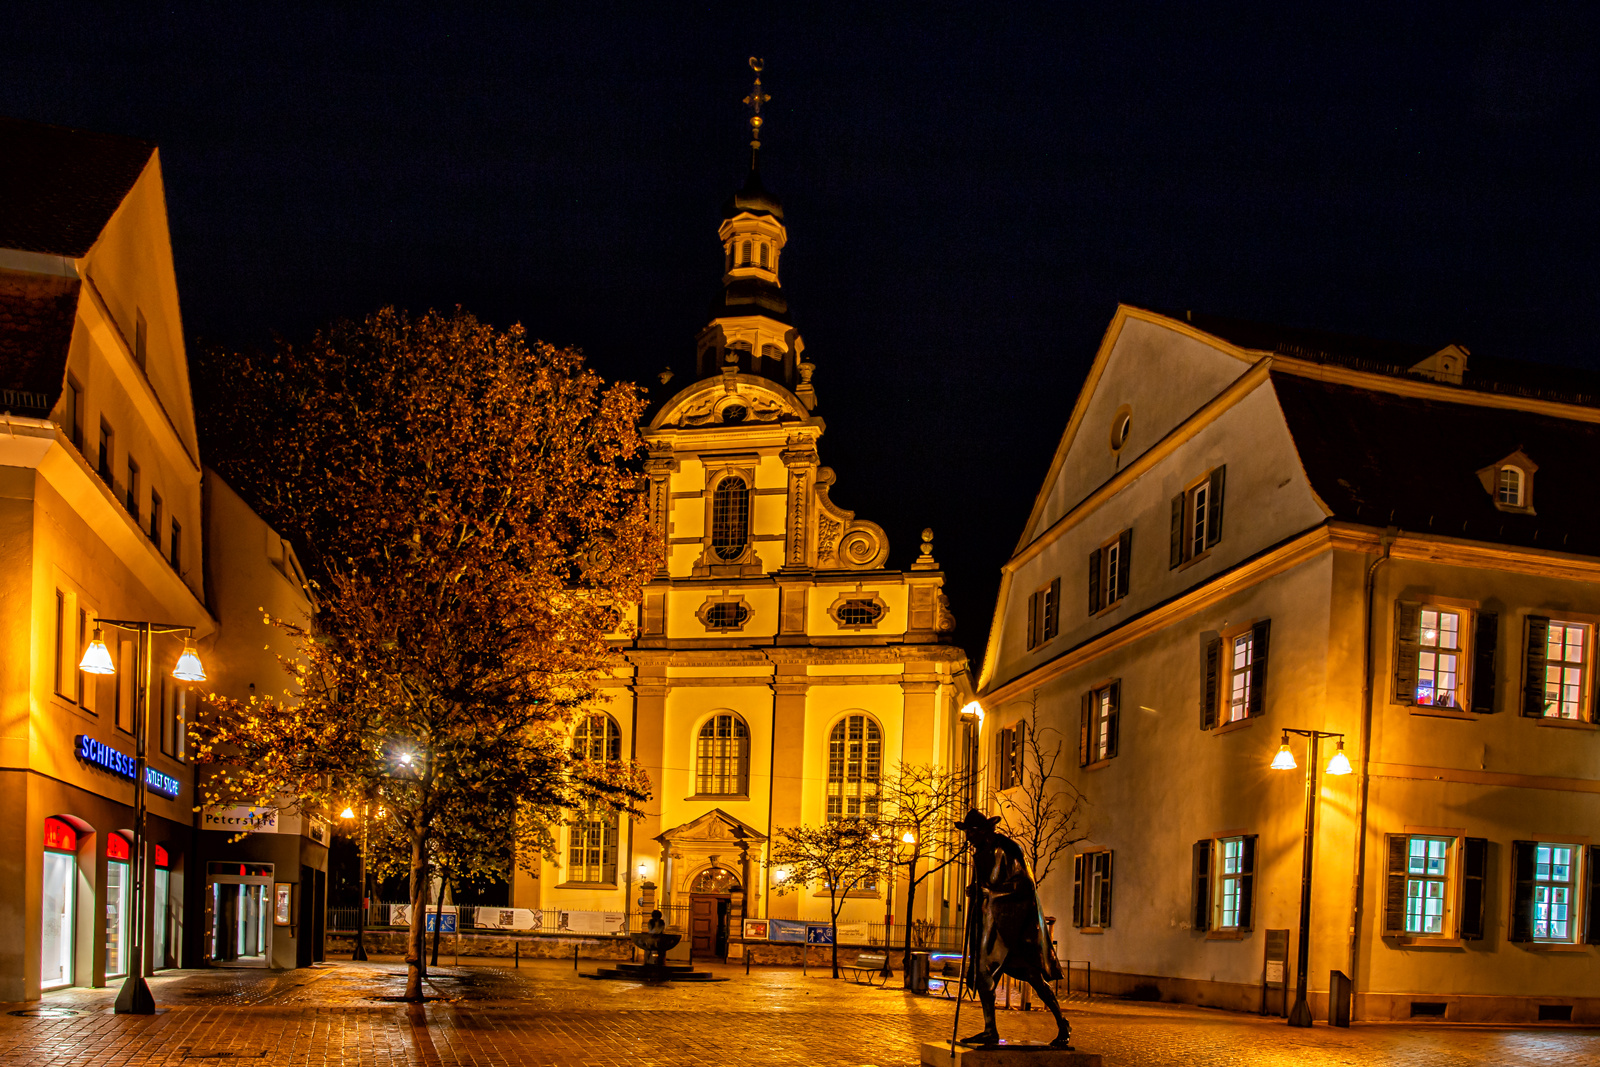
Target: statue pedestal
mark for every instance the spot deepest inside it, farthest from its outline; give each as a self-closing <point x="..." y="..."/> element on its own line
<point x="1005" y="1054"/>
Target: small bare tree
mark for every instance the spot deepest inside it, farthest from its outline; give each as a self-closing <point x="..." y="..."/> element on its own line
<point x="924" y="800"/>
<point x="841" y="855"/>
<point x="1043" y="812"/>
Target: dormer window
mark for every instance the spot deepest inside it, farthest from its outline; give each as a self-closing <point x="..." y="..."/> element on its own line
<point x="1508" y="487"/>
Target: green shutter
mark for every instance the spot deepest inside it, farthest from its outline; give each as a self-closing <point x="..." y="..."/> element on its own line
<point x="1176" y="556"/>
<point x="1085" y="719"/>
<point x="1214" y="506"/>
<point x="1247" y="881"/>
<point x="1104" y="860"/>
<point x="1200" y="880"/>
<point x="1533" y="666"/>
<point x="1591" y="895"/>
<point x="1124" y="562"/>
<point x="1094" y="580"/>
<point x="1485" y="643"/>
<point x="1474" y="876"/>
<point x="1522" y="870"/>
<point x="1077" y="890"/>
<point x="1407" y="638"/>
<point x="1394" y="897"/>
<point x="1210" y="680"/>
<point x="1260" y="635"/>
<point x="1113" y="719"/>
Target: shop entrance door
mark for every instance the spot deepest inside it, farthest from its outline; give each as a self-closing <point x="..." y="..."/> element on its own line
<point x="239" y="914"/>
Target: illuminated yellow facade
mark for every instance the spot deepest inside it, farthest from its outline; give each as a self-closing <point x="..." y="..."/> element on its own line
<point x="775" y="629"/>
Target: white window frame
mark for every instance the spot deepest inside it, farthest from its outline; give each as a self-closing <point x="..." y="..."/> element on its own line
<point x="1510" y="495"/>
<point x="1093" y="881"/>
<point x="1236" y="698"/>
<point x="1555" y="705"/>
<point x="1571" y="886"/>
<point x="1423" y="878"/>
<point x="1100" y="724"/>
<point x="1459" y="691"/>
<point x="1229" y="882"/>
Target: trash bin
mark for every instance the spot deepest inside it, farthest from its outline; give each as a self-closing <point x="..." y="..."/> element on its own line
<point x="918" y="974"/>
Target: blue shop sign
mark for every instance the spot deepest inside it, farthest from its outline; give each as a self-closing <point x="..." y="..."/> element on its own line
<point x="123" y="765"/>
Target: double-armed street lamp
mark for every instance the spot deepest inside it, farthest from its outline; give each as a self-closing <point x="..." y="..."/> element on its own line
<point x="1339" y="764"/>
<point x="134" y="998"/>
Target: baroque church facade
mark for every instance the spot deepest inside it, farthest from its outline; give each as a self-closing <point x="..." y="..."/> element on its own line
<point x="778" y="669"/>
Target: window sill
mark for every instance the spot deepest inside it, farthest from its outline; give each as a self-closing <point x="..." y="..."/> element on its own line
<point x="1091" y="929"/>
<point x="1423" y="941"/>
<point x="1109" y="608"/>
<point x="1192" y="560"/>
<point x="718" y="796"/>
<point x="1237" y="724"/>
<point x="1554" y="946"/>
<point x="1227" y="935"/>
<point x="586" y="885"/>
<point x="1097" y="764"/>
<point x="1565" y="724"/>
<point x="1429" y="711"/>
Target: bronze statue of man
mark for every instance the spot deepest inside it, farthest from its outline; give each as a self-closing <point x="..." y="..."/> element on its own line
<point x="1006" y="932"/>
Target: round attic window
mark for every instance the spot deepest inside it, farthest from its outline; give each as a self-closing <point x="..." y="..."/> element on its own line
<point x="735" y="413"/>
<point x="1121" y="426"/>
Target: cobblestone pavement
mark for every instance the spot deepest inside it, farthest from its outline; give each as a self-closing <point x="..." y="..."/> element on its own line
<point x="543" y="1014"/>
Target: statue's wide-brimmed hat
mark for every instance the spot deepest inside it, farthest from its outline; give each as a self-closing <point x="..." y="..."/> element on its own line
<point x="976" y="822"/>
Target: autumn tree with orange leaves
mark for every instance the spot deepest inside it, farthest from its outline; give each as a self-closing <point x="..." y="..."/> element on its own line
<point x="468" y="508"/>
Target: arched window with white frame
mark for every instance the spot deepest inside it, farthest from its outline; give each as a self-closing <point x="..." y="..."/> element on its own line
<point x="722" y="756"/>
<point x="855" y="768"/>
<point x="1509" y="486"/>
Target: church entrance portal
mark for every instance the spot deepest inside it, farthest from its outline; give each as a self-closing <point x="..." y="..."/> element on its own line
<point x="710" y="901"/>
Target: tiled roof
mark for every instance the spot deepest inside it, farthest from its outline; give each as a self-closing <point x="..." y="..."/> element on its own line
<point x="59" y="186"/>
<point x="1381" y="459"/>
<point x="1484" y="373"/>
<point x="36" y="316"/>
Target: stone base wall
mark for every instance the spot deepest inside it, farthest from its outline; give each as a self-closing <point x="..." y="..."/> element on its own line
<point x="495" y="944"/>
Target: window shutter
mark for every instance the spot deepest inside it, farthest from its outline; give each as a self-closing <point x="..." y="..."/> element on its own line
<point x="1083" y="728"/>
<point x="1104" y="861"/>
<point x="1474" y="871"/>
<point x="1033" y="620"/>
<point x="1124" y="561"/>
<point x="1260" y="635"/>
<point x="1077" y="890"/>
<point x="1019" y="735"/>
<point x="1591" y="895"/>
<point x="1176" y="556"/>
<point x="1247" y="882"/>
<point x="1052" y="610"/>
<point x="1522" y="860"/>
<point x="1002" y="761"/>
<point x="1201" y="881"/>
<point x="1094" y="580"/>
<point x="1113" y="719"/>
<point x="1214" y="507"/>
<point x="1407" y="635"/>
<point x="1485" y="643"/>
<point x="1394" y="898"/>
<point x="1533" y="666"/>
<point x="1210" y="667"/>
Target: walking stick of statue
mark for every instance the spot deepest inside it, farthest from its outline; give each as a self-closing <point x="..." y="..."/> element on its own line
<point x="961" y="983"/>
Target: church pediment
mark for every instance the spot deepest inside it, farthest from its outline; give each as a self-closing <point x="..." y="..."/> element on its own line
<point x="714" y="825"/>
<point x="737" y="399"/>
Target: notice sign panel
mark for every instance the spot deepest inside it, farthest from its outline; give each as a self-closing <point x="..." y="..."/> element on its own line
<point x="786" y="930"/>
<point x="755" y="929"/>
<point x="818" y="934"/>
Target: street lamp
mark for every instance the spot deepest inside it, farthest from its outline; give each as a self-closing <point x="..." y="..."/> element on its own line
<point x="1300" y="1014"/>
<point x="134" y="998"/>
<point x="360" y="952"/>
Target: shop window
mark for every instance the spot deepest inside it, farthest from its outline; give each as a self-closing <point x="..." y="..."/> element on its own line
<point x="117" y="893"/>
<point x="58" y="906"/>
<point x="1197" y="518"/>
<point x="722" y="757"/>
<point x="1091" y="890"/>
<point x="1555" y="890"/>
<point x="1098" y="725"/>
<point x="855" y="768"/>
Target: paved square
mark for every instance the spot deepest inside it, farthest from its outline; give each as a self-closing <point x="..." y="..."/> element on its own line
<point x="545" y="1015"/>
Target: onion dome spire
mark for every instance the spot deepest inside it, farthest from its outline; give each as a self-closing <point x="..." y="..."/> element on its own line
<point x="754" y="101"/>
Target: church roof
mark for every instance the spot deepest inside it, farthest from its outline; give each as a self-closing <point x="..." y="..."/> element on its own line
<point x="1383" y="459"/>
<point x="59" y="186"/>
<point x="754" y="199"/>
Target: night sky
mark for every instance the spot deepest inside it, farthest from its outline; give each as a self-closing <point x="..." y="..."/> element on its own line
<point x="969" y="191"/>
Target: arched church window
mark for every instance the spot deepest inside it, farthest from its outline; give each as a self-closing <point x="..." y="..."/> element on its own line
<point x="855" y="768"/>
<point x="722" y="757"/>
<point x="597" y="738"/>
<point x="730" y="518"/>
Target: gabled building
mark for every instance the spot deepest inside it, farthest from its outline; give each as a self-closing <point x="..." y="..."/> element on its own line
<point x="1248" y="530"/>
<point x="778" y="669"/>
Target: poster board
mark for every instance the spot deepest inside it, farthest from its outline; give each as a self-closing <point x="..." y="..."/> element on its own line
<point x="787" y="930"/>
<point x="755" y="930"/>
<point x="1275" y="972"/>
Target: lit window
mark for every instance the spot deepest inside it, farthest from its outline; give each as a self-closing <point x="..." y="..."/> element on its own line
<point x="723" y="757"/>
<point x="1200" y="498"/>
<point x="855" y="768"/>
<point x="1438" y="658"/>
<point x="597" y="738"/>
<point x="730" y="518"/>
<point x="860" y="613"/>
<point x="592" y="847"/>
<point x="726" y="615"/>
<point x="1099" y="728"/>
<point x="1564" y="690"/>
<point x="1230" y="881"/>
<point x="1552" y="892"/>
<point x="1427" y="875"/>
<point x="1508" y="487"/>
<point x="1091" y="889"/>
<point x="1240" y="669"/>
<point x="1197" y="518"/>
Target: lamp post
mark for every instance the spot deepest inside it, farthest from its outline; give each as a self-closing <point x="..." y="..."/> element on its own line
<point x="1300" y="1014"/>
<point x="360" y="952"/>
<point x="134" y="998"/>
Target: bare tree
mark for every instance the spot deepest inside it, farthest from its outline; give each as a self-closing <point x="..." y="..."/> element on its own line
<point x="924" y="800"/>
<point x="1043" y="812"/>
<point x="841" y="855"/>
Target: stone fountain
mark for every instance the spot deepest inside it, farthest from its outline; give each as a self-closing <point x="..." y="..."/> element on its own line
<point x="655" y="969"/>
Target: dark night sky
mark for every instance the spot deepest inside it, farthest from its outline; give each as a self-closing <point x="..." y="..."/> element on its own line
<point x="969" y="191"/>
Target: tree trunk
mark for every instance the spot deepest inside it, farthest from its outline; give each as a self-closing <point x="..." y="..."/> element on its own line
<point x="416" y="960"/>
<point x="438" y="917"/>
<point x="834" y="911"/>
<point x="911" y="900"/>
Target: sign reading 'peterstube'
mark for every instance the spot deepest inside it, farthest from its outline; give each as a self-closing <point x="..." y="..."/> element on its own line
<point x="123" y="765"/>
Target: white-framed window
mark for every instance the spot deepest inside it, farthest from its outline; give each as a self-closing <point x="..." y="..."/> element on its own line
<point x="1091" y="890"/>
<point x="1508" y="487"/>
<point x="1427" y="882"/>
<point x="1010" y="750"/>
<point x="1241" y="664"/>
<point x="1439" y="674"/>
<point x="1566" y="670"/>
<point x="1230" y="882"/>
<point x="855" y="768"/>
<point x="1108" y="571"/>
<point x="722" y="756"/>
<point x="1233" y="676"/>
<point x="1099" y="726"/>
<point x="1044" y="613"/>
<point x="1224" y="883"/>
<point x="1555" y="870"/>
<point x="1197" y="517"/>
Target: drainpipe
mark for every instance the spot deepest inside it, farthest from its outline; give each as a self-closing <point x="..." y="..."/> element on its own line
<point x="1368" y="666"/>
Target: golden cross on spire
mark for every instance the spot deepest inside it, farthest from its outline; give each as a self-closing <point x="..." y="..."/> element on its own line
<point x="756" y="98"/>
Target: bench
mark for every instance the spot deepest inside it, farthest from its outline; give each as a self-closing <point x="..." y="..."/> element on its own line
<point x="948" y="974"/>
<point x="869" y="964"/>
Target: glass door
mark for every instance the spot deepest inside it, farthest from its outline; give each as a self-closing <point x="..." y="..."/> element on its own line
<point x="158" y="932"/>
<point x="117" y="885"/>
<point x="60" y="880"/>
